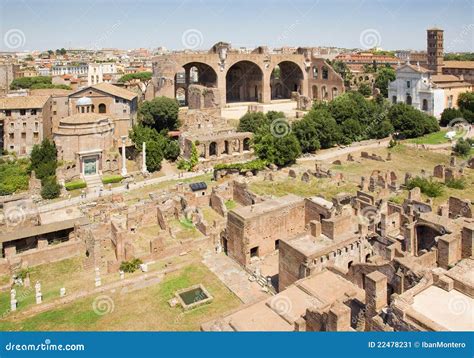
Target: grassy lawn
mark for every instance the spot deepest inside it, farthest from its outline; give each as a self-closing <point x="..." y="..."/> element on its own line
<point x="144" y="309"/>
<point x="322" y="187"/>
<point x="134" y="196"/>
<point x="66" y="273"/>
<point x="434" y="138"/>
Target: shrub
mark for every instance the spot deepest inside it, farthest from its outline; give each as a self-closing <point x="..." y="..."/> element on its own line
<point x="50" y="188"/>
<point x="160" y="113"/>
<point x="462" y="147"/>
<point x="427" y="186"/>
<point x="73" y="185"/>
<point x="130" y="266"/>
<point x="253" y="165"/>
<point x="456" y="183"/>
<point x="112" y="179"/>
<point x="13" y="177"/>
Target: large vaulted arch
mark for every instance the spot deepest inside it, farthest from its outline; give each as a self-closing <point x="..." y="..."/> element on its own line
<point x="287" y="77"/>
<point x="193" y="73"/>
<point x="244" y="82"/>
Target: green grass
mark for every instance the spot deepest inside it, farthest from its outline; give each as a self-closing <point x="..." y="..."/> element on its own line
<point x="13" y="176"/>
<point x="324" y="187"/>
<point x="230" y="204"/>
<point x="76" y="184"/>
<point x="144" y="309"/>
<point x="111" y="179"/>
<point x="434" y="138"/>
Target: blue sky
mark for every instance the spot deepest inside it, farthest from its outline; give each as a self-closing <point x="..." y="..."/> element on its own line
<point x="394" y="24"/>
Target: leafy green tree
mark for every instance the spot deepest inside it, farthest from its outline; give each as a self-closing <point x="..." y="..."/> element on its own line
<point x="154" y="156"/>
<point x="385" y="75"/>
<point x="28" y="82"/>
<point x="50" y="188"/>
<point x="448" y="115"/>
<point x="43" y="159"/>
<point x="172" y="150"/>
<point x="141" y="76"/>
<point x="351" y="131"/>
<point x="281" y="151"/>
<point x="466" y="105"/>
<point x="328" y="132"/>
<point x="344" y="71"/>
<point x="410" y="122"/>
<point x="364" y="89"/>
<point x="251" y="122"/>
<point x="462" y="148"/>
<point x="160" y="113"/>
<point x="307" y="135"/>
<point x="381" y="130"/>
<point x="139" y="134"/>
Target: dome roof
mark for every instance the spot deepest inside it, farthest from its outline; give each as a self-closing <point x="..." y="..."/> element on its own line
<point x="84" y="101"/>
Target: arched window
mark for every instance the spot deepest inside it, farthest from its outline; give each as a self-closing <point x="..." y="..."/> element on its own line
<point x="425" y="105"/>
<point x="334" y="92"/>
<point x="324" y="92"/>
<point x="315" y="92"/>
<point x="409" y="100"/>
<point x="102" y="108"/>
<point x="325" y="73"/>
<point x="213" y="148"/>
<point x="315" y="73"/>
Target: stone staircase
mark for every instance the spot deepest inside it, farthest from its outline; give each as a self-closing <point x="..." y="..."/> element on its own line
<point x="93" y="181"/>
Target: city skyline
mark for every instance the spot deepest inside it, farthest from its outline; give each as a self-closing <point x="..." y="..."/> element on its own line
<point x="124" y="24"/>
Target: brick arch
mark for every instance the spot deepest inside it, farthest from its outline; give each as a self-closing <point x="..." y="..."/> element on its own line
<point x="291" y="77"/>
<point x="244" y="81"/>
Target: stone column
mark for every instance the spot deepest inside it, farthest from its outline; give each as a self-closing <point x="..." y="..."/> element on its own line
<point x="144" y="168"/>
<point x="124" y="159"/>
<point x="38" y="295"/>
<point x="13" y="301"/>
<point x="266" y="90"/>
<point x="98" y="281"/>
<point x="375" y="293"/>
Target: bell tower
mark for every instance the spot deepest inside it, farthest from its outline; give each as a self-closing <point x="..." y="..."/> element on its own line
<point x="435" y="51"/>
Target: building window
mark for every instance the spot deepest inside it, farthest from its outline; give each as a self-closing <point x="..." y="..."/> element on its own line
<point x="54" y="113"/>
<point x="23" y="135"/>
<point x="11" y="136"/>
<point x="394" y="99"/>
<point x="12" y="125"/>
<point x="408" y="84"/>
<point x="409" y="100"/>
<point x="425" y="105"/>
<point x="8" y="113"/>
<point x="117" y="100"/>
<point x="315" y="72"/>
<point x="35" y="135"/>
<point x="24" y="125"/>
<point x="325" y="73"/>
<point x="36" y="126"/>
<point x="102" y="108"/>
<point x="22" y="112"/>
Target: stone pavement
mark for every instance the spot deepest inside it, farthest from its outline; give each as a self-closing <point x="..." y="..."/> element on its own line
<point x="234" y="277"/>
